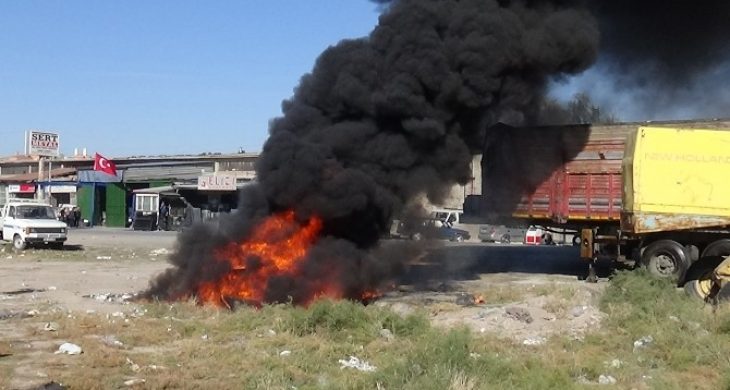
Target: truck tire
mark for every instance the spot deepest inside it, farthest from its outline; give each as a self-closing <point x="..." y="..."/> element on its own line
<point x="18" y="242"/>
<point x="702" y="268"/>
<point x="723" y="295"/>
<point x="666" y="259"/>
<point x="717" y="248"/>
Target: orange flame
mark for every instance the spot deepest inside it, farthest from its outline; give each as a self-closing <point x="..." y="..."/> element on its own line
<point x="277" y="247"/>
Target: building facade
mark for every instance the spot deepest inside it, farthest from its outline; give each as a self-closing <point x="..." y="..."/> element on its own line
<point x="109" y="200"/>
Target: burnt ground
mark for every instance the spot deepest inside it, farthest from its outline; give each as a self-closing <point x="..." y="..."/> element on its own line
<point x="517" y="292"/>
<point x="544" y="281"/>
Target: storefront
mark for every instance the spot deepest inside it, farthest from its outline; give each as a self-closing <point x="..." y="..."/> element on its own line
<point x="21" y="190"/>
<point x="60" y="193"/>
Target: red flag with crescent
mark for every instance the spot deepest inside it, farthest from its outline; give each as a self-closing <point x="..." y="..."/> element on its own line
<point x="103" y="164"/>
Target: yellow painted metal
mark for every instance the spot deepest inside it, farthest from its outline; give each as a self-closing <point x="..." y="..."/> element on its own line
<point x="676" y="179"/>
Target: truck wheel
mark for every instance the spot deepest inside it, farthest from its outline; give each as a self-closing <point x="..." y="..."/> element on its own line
<point x="506" y="239"/>
<point x="702" y="268"/>
<point x="18" y="242"/>
<point x="666" y="259"/>
<point x="723" y="295"/>
<point x="717" y="248"/>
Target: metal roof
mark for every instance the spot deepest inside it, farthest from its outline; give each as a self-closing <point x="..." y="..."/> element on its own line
<point x="33" y="176"/>
<point x="168" y="173"/>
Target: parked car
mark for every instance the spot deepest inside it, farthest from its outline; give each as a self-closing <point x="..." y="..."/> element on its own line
<point x="420" y="228"/>
<point x="452" y="234"/>
<point x="501" y="233"/>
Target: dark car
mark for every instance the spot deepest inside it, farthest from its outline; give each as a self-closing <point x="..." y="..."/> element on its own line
<point x="500" y="233"/>
<point x="453" y="234"/>
<point x="441" y="233"/>
<point x="426" y="228"/>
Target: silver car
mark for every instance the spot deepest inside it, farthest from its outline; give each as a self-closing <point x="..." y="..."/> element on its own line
<point x="500" y="233"/>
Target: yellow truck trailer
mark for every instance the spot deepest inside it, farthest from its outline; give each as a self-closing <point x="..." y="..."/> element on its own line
<point x="676" y="201"/>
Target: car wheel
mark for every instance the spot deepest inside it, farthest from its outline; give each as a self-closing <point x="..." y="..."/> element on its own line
<point x="577" y="240"/>
<point x="665" y="259"/>
<point x="459" y="238"/>
<point x="416" y="236"/>
<point x="18" y="242"/>
<point x="506" y="239"/>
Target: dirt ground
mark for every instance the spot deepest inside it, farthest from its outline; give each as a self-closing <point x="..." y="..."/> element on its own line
<point x="521" y="293"/>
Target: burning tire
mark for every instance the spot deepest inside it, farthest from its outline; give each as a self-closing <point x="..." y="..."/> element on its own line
<point x="666" y="259"/>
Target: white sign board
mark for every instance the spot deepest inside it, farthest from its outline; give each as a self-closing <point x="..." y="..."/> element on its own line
<point x="217" y="183"/>
<point x="42" y="143"/>
<point x="63" y="189"/>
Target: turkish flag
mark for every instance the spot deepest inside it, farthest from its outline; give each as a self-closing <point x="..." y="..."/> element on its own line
<point x="102" y="164"/>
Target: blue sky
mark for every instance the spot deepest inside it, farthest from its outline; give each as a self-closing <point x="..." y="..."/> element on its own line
<point x="160" y="77"/>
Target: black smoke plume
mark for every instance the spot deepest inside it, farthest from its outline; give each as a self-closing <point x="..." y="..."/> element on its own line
<point x="386" y="118"/>
<point x="662" y="59"/>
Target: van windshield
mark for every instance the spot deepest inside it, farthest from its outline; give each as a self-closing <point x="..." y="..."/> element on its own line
<point x="35" y="212"/>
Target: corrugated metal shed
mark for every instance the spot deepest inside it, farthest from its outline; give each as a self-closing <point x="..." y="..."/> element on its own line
<point x="167" y="173"/>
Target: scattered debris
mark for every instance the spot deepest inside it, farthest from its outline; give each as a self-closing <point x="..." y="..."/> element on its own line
<point x="616" y="363"/>
<point x="111" y="341"/>
<point x="160" y="252"/>
<point x="132" y="365"/>
<point x="534" y="341"/>
<point x="474" y="355"/>
<point x="643" y="342"/>
<point x="519" y="314"/>
<point x="51" y="386"/>
<point x="674" y="318"/>
<point x="271" y="332"/>
<point x="606" y="380"/>
<point x="465" y="299"/>
<point x="112" y="298"/>
<point x="7" y="314"/>
<point x="386" y="334"/>
<point x="578" y="311"/>
<point x="32" y="313"/>
<point x="50" y="326"/>
<point x="69" y="349"/>
<point x="204" y="337"/>
<point x="285" y="353"/>
<point x="23" y="291"/>
<point x="134" y="382"/>
<point x="357" y="364"/>
<point x="103" y="257"/>
<point x="51" y="288"/>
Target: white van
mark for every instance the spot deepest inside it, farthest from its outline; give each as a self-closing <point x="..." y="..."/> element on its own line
<point x="448" y="217"/>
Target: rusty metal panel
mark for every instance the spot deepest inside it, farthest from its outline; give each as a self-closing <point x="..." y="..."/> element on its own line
<point x="656" y="222"/>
